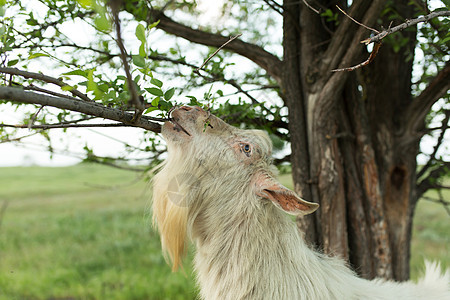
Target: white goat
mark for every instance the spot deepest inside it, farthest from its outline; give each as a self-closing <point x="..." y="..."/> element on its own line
<point x="217" y="187"/>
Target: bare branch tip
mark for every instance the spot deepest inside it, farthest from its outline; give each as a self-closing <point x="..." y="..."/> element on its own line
<point x="359" y="23"/>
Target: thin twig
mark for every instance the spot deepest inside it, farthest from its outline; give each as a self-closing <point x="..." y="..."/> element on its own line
<point x="444" y="203"/>
<point x="108" y="187"/>
<point x="32" y="87"/>
<point x="35" y="116"/>
<point x="360" y="24"/>
<point x="97" y="160"/>
<point x="372" y="56"/>
<point x="274" y="6"/>
<point x="310" y="7"/>
<point x="215" y="52"/>
<point x="135" y="100"/>
<point x="18" y="138"/>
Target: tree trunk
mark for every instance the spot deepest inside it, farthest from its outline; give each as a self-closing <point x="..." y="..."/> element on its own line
<point x="348" y="147"/>
<point x="387" y="83"/>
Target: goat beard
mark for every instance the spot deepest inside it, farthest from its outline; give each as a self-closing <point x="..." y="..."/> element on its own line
<point x="168" y="216"/>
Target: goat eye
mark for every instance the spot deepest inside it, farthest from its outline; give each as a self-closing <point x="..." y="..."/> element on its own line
<point x="246" y="148"/>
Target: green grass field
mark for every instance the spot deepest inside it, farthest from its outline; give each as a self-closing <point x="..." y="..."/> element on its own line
<point x="84" y="232"/>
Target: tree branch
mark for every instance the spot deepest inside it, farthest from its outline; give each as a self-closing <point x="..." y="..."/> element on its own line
<point x="345" y="43"/>
<point x="278" y="161"/>
<point x="258" y="55"/>
<point x="107" y="162"/>
<point x="428" y="182"/>
<point x="135" y="101"/>
<point x="275" y="6"/>
<point x="436" y="147"/>
<point x="345" y="47"/>
<point x="441" y="200"/>
<point x="17" y="139"/>
<point x="406" y="24"/>
<point x="421" y="105"/>
<point x="381" y="35"/>
<point x="110" y="55"/>
<point x="45" y="78"/>
<point x="55" y="126"/>
<point x="89" y="108"/>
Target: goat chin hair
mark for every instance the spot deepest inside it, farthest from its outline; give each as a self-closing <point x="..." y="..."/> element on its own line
<point x="218" y="190"/>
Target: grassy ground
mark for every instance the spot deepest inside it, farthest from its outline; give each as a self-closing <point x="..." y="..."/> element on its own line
<point x="83" y="232"/>
<point x="67" y="234"/>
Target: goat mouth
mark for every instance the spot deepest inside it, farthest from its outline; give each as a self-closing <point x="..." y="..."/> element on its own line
<point x="176" y="125"/>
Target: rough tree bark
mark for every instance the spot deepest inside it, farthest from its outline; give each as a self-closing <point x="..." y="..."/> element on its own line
<point x="341" y="167"/>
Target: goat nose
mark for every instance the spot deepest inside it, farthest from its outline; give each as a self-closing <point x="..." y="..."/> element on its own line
<point x="186" y="108"/>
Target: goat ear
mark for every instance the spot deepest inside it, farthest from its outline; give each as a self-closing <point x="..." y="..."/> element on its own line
<point x="282" y="197"/>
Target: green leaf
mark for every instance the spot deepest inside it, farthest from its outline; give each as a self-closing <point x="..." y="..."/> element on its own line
<point x="102" y="23"/>
<point x="12" y="62"/>
<point x="156" y="82"/>
<point x="150" y="109"/>
<point x="77" y="72"/>
<point x="104" y="87"/>
<point x="169" y="94"/>
<point x="140" y="33"/>
<point x="155" y="101"/>
<point x="142" y="51"/>
<point x="164" y="105"/>
<point x="154" y="106"/>
<point x="67" y="88"/>
<point x="155" y="91"/>
<point x="34" y="55"/>
<point x="92" y="86"/>
<point x="173" y="51"/>
<point x="153" y="25"/>
<point x="445" y="40"/>
<point x="139" y="61"/>
<point x="193" y="100"/>
<point x="85" y="3"/>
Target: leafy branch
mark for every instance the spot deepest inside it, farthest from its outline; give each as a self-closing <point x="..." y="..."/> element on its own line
<point x="89" y="108"/>
<point x="45" y="78"/>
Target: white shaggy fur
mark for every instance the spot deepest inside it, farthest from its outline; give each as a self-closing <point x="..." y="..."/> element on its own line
<point x="217" y="188"/>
